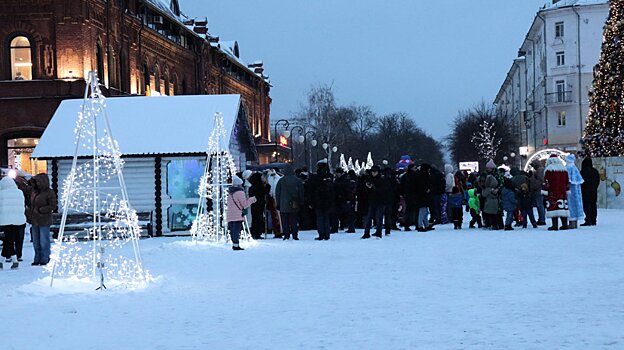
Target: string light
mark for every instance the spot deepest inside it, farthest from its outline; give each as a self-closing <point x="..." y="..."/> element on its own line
<point x="604" y="132"/>
<point x="95" y="186"/>
<point x="211" y="225"/>
<point x="486" y="141"/>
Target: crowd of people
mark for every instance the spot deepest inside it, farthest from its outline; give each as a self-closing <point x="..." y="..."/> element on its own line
<point x="416" y="197"/>
<point x="282" y="202"/>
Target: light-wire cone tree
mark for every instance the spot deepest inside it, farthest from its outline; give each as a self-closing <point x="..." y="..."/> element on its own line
<point x="604" y="132"/>
<point x="210" y="224"/>
<point x="107" y="250"/>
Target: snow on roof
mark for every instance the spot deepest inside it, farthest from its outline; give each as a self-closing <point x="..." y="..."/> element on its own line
<point x="164" y="7"/>
<point x="145" y="125"/>
<point x="564" y="3"/>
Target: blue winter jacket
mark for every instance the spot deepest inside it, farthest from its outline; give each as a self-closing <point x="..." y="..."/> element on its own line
<point x="509" y="200"/>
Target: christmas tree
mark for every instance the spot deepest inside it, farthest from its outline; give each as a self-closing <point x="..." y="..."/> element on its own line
<point x="210" y="224"/>
<point x="107" y="250"/>
<point x="604" y="133"/>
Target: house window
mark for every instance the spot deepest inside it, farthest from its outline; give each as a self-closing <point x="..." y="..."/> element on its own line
<point x="559" y="30"/>
<point x="21" y="58"/>
<point x="561" y="118"/>
<point x="561" y="58"/>
<point x="560" y="86"/>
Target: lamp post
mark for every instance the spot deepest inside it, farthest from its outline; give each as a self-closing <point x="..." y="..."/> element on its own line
<point x="329" y="149"/>
<point x="300" y="139"/>
<point x="286" y="124"/>
<point x="313" y="143"/>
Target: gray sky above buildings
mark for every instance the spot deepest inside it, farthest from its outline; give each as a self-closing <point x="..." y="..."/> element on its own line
<point x="427" y="58"/>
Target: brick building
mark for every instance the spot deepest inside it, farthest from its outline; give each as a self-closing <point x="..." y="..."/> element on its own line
<point x="138" y="47"/>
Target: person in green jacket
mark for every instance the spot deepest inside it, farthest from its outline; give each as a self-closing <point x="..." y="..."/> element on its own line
<point x="474" y="206"/>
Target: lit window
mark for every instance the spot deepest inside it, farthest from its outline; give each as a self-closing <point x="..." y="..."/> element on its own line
<point x="560" y="58"/>
<point x="561" y="118"/>
<point x="21" y="58"/>
<point x="559" y="30"/>
<point x="19" y="151"/>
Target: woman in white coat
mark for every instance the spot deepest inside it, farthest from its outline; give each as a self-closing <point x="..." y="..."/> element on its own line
<point x="12" y="218"/>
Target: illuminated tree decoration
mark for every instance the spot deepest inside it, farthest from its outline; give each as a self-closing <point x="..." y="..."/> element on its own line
<point x="210" y="224"/>
<point x="485" y="141"/>
<point x="107" y="250"/>
<point x="604" y="132"/>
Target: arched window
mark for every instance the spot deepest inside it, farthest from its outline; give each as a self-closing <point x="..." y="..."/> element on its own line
<point x="156" y="85"/>
<point x="165" y="89"/>
<point x="99" y="56"/>
<point x="146" y="79"/>
<point x="21" y="58"/>
<point x="124" y="80"/>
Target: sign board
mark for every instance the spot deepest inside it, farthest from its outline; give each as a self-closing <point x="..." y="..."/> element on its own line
<point x="471" y="167"/>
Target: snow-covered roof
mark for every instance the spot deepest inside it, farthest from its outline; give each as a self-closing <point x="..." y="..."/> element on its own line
<point x="145" y="125"/>
<point x="564" y="3"/>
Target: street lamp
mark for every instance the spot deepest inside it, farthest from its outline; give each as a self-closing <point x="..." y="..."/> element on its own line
<point x="286" y="124"/>
<point x="291" y="133"/>
<point x="313" y="143"/>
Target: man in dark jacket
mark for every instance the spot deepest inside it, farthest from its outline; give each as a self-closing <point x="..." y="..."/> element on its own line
<point x="258" y="190"/>
<point x="345" y="188"/>
<point x="377" y="188"/>
<point x="289" y="200"/>
<point x="589" y="191"/>
<point x="39" y="214"/>
<point x="424" y="196"/>
<point x="408" y="190"/>
<point x="322" y="187"/>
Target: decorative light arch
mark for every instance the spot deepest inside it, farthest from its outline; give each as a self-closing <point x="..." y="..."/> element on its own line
<point x="543" y="154"/>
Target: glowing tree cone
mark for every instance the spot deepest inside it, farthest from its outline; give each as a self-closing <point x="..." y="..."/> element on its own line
<point x="210" y="224"/>
<point x="107" y="250"/>
<point x="343" y="162"/>
<point x="369" y="161"/>
<point x="350" y="164"/>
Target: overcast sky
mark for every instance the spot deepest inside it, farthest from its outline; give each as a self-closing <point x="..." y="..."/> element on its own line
<point x="424" y="57"/>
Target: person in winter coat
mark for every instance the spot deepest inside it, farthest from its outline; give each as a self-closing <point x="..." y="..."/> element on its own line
<point x="589" y="190"/>
<point x="258" y="190"/>
<point x="575" y="198"/>
<point x="424" y="197"/>
<point x="491" y="203"/>
<point x="345" y="188"/>
<point x="237" y="201"/>
<point x="377" y="191"/>
<point x="473" y="206"/>
<point x="408" y="190"/>
<point x="322" y="188"/>
<point x="12" y="220"/>
<point x="42" y="203"/>
<point x="456" y="201"/>
<point x="392" y="197"/>
<point x="536" y="184"/>
<point x="449" y="183"/>
<point x="509" y="203"/>
<point x="525" y="202"/>
<point x="272" y="177"/>
<point x="555" y="189"/>
<point x="289" y="199"/>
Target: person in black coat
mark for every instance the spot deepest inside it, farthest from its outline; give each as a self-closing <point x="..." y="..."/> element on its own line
<point x="391" y="213"/>
<point x="377" y="188"/>
<point x="345" y="187"/>
<point x="408" y="190"/>
<point x="424" y="197"/>
<point x="589" y="191"/>
<point x="322" y="188"/>
<point x="258" y="190"/>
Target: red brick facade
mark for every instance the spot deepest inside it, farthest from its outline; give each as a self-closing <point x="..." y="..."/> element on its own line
<point x="136" y="46"/>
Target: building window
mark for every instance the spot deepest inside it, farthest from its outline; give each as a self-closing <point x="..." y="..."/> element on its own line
<point x="561" y="58"/>
<point x="20" y="150"/>
<point x="561" y="118"/>
<point x="21" y="58"/>
<point x="560" y="86"/>
<point x="559" y="30"/>
<point x="99" y="57"/>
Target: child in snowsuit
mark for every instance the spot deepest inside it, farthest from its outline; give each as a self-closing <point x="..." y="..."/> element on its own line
<point x="237" y="201"/>
<point x="456" y="201"/>
<point x="525" y="202"/>
<point x="474" y="206"/>
<point x="509" y="203"/>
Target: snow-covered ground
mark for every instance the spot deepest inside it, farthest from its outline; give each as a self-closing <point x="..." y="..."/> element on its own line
<point x="445" y="289"/>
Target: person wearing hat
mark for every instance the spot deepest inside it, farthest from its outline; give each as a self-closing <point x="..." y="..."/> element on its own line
<point x="344" y="217"/>
<point x="555" y="189"/>
<point x="322" y="189"/>
<point x="289" y="200"/>
<point x="237" y="202"/>
<point x="377" y="189"/>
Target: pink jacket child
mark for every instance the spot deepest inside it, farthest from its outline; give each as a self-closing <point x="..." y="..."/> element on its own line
<point x="237" y="201"/>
